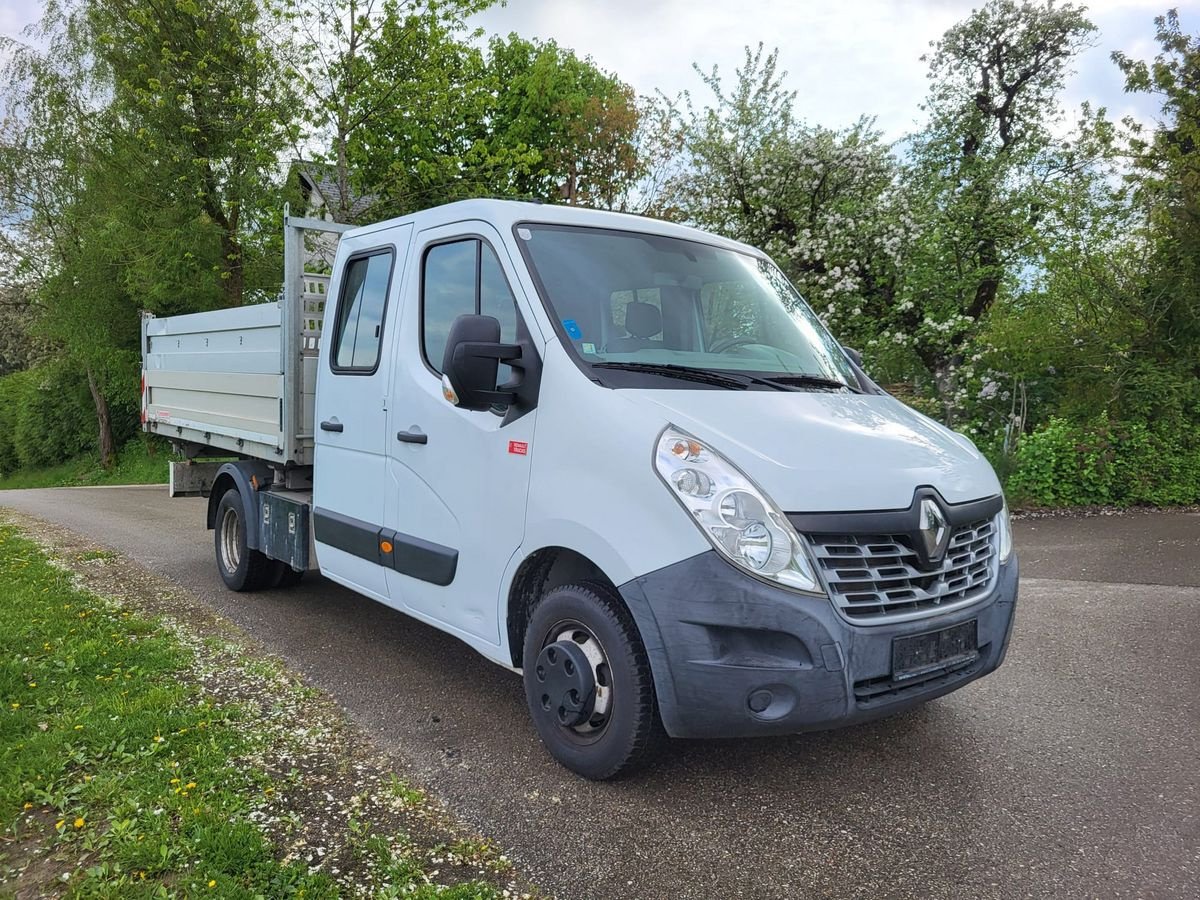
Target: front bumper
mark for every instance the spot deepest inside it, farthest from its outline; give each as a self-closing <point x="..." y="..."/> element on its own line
<point x="735" y="657"/>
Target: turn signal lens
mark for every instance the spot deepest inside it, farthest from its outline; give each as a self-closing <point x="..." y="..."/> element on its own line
<point x="687" y="449"/>
<point x="448" y="391"/>
<point x="1004" y="528"/>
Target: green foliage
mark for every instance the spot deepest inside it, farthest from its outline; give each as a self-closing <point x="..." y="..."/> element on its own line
<point x="141" y="461"/>
<point x="1029" y="283"/>
<point x="117" y="769"/>
<point x="1102" y="463"/>
<point x="46" y="416"/>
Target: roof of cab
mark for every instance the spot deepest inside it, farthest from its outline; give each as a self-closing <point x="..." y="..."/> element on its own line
<point x="504" y="214"/>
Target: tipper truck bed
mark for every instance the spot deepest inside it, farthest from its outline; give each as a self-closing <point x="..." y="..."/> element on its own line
<point x="242" y="381"/>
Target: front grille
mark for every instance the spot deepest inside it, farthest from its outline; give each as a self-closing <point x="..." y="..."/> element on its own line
<point x="878" y="577"/>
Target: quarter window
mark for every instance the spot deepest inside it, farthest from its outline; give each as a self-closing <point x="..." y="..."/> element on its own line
<point x="359" y="331"/>
<point x="463" y="278"/>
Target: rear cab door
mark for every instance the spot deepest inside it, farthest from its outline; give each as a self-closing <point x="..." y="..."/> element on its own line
<point x="351" y="407"/>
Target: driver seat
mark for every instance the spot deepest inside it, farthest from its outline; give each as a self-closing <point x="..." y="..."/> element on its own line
<point x="643" y="321"/>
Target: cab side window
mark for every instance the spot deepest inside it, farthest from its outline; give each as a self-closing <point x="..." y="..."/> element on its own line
<point x="359" y="329"/>
<point x="463" y="278"/>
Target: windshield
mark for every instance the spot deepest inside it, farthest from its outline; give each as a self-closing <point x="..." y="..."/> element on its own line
<point x="648" y="300"/>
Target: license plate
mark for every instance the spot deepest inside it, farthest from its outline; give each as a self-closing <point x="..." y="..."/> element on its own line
<point x="920" y="654"/>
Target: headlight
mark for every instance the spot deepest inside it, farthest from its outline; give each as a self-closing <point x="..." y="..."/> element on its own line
<point x="1004" y="528"/>
<point x="740" y="521"/>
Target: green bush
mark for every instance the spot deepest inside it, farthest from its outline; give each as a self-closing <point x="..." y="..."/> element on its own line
<point x="46" y="416"/>
<point x="1102" y="463"/>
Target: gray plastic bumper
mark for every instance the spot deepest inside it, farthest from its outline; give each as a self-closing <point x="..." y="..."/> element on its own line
<point x="735" y="657"/>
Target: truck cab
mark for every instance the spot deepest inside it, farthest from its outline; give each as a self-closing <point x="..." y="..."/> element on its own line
<point x="618" y="456"/>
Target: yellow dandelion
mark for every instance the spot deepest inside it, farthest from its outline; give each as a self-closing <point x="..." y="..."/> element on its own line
<point x="190" y="785"/>
<point x="33" y="684"/>
<point x="212" y="883"/>
<point x="79" y="822"/>
<point x="174" y="781"/>
<point x="79" y="728"/>
<point x="15" y="705"/>
<point x="29" y="806"/>
<point x="58" y="826"/>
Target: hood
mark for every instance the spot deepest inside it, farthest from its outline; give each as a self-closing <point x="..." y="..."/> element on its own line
<point x="823" y="452"/>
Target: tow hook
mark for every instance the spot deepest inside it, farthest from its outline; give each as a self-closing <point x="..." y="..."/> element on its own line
<point x="567" y="684"/>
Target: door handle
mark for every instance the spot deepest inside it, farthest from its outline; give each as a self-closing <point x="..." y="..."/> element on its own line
<point x="412" y="437"/>
<point x="331" y="426"/>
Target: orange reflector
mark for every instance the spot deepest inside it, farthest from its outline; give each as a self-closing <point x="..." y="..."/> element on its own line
<point x="686" y="448"/>
<point x="385" y="546"/>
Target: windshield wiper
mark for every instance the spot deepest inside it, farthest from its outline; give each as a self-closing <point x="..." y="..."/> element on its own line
<point x="686" y="373"/>
<point x="729" y="379"/>
<point x="790" y="382"/>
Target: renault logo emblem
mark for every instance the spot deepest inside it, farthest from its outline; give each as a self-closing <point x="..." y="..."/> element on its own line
<point x="933" y="529"/>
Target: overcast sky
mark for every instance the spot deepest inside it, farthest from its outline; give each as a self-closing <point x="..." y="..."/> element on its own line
<point x="846" y="59"/>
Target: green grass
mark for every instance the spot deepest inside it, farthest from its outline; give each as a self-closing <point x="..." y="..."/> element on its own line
<point x="120" y="777"/>
<point x="135" y="465"/>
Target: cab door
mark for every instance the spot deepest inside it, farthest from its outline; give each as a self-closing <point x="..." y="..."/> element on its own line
<point x="459" y="480"/>
<point x="350" y="465"/>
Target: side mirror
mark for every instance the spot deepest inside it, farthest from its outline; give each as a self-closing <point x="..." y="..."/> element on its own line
<point x="854" y="355"/>
<point x="472" y="361"/>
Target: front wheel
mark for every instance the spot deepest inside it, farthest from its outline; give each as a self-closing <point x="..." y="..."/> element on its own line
<point x="241" y="568"/>
<point x="588" y="682"/>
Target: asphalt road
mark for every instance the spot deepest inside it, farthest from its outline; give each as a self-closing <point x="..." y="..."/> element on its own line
<point x="1073" y="771"/>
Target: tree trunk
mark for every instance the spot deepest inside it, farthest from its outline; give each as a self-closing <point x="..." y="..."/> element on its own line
<point x="235" y="284"/>
<point x="108" y="448"/>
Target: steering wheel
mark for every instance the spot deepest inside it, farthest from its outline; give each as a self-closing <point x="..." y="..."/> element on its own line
<point x="729" y="343"/>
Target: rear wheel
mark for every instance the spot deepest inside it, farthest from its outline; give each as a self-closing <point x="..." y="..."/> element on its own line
<point x="588" y="682"/>
<point x="241" y="568"/>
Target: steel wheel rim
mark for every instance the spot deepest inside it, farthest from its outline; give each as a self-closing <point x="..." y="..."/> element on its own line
<point x="597" y="725"/>
<point x="231" y="532"/>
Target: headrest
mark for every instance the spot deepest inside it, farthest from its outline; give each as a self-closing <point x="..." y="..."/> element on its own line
<point x="642" y="320"/>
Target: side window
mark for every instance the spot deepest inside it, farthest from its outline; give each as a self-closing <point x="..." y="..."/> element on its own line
<point x="448" y="286"/>
<point x="460" y="278"/>
<point x="359" y="329"/>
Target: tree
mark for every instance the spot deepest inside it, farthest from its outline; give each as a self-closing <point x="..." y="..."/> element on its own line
<point x="365" y="63"/>
<point x="979" y="169"/>
<point x="50" y="131"/>
<point x="581" y="121"/>
<point x="822" y="202"/>
<point x="1168" y="185"/>
<point x="201" y="113"/>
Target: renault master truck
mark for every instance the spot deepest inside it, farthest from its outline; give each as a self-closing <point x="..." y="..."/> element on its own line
<point x="620" y="457"/>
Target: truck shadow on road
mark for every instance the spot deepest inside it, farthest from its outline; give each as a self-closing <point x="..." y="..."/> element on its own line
<point x="449" y="711"/>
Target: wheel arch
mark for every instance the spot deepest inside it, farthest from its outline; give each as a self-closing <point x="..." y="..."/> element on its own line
<point x="540" y="572"/>
<point x="242" y="476"/>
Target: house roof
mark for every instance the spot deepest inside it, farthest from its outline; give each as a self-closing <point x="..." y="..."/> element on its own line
<point x="322" y="177"/>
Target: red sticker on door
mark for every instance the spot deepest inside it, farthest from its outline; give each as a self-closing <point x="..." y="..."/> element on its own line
<point x="521" y="448"/>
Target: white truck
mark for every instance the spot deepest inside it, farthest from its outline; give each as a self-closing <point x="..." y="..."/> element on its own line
<point x="618" y="456"/>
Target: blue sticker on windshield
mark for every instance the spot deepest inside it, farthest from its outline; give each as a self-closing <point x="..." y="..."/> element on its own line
<point x="572" y="328"/>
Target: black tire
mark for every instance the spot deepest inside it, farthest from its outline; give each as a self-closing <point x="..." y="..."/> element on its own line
<point x="285" y="576"/>
<point x="626" y="736"/>
<point x="241" y="568"/>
